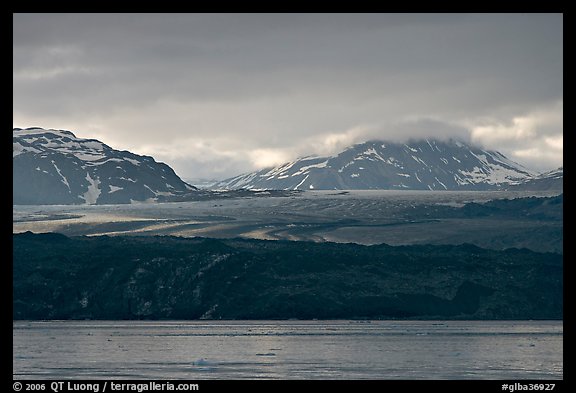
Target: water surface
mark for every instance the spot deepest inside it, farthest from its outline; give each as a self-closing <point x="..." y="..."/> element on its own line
<point x="288" y="349"/>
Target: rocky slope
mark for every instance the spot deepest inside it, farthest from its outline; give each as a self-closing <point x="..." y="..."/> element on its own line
<point x="56" y="167"/>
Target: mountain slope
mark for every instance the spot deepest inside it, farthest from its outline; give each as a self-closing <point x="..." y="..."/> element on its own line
<point x="416" y="165"/>
<point x="548" y="181"/>
<point x="56" y="167"/>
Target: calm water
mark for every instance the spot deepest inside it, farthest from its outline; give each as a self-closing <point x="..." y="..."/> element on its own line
<point x="288" y="350"/>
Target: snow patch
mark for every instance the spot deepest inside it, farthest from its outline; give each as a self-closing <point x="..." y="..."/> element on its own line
<point x="132" y="161"/>
<point x="114" y="189"/>
<point x="371" y="152"/>
<point x="299" y="184"/>
<point x="393" y="161"/>
<point x="105" y="161"/>
<point x="460" y="181"/>
<point x="443" y="185"/>
<point x="91" y="196"/>
<point x="493" y="173"/>
<point x="280" y="170"/>
<point x="18" y="149"/>
<point x="93" y="145"/>
<point x="345" y="166"/>
<point x="411" y="148"/>
<point x="64" y="180"/>
<point x="86" y="156"/>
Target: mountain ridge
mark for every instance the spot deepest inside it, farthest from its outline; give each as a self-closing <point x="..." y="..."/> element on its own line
<point x="424" y="164"/>
<point x="550" y="180"/>
<point x="56" y="167"/>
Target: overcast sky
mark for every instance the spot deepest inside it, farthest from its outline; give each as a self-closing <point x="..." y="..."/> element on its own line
<point x="217" y="95"/>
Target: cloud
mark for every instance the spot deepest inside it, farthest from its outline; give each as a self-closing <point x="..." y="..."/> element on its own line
<point x="263" y="158"/>
<point x="535" y="137"/>
<point x="520" y="129"/>
<point x="194" y="158"/>
<point x="333" y="142"/>
<point x="224" y="93"/>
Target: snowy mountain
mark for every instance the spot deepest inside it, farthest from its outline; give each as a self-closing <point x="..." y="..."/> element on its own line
<point x="416" y="165"/>
<point x="548" y="181"/>
<point x="56" y="167"/>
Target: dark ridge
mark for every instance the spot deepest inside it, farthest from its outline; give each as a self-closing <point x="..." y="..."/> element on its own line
<point x="56" y="277"/>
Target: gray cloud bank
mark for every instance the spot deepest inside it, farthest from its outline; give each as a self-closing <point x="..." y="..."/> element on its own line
<point x="216" y="95"/>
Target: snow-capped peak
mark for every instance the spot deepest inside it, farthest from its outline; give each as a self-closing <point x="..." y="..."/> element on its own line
<point x="427" y="164"/>
<point x="54" y="166"/>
